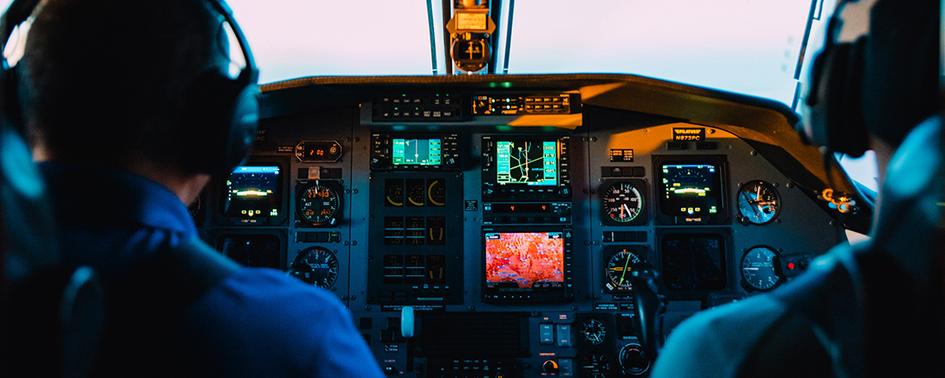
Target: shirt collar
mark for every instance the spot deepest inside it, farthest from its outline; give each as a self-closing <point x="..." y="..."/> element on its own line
<point x="98" y="196"/>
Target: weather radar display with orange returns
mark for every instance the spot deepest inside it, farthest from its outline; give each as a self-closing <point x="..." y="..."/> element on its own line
<point x="524" y="259"/>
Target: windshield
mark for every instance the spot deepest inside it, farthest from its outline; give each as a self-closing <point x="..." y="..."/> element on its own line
<point x="295" y="38"/>
<point x="741" y="46"/>
<point x="750" y="47"/>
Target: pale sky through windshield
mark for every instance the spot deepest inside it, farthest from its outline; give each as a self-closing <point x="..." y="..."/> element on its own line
<point x="745" y="46"/>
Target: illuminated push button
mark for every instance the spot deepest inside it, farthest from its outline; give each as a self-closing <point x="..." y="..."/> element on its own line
<point x="546" y="334"/>
<point x="564" y="335"/>
<point x="565" y="367"/>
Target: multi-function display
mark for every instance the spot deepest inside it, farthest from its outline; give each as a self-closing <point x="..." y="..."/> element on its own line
<point x="526" y="265"/>
<point x="423" y="152"/>
<point x="526" y="162"/>
<point x="253" y="191"/>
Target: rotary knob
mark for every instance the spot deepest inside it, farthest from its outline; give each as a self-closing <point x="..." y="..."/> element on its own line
<point x="633" y="360"/>
<point x="550" y="367"/>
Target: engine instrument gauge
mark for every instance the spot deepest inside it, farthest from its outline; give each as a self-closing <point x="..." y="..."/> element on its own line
<point x="618" y="270"/>
<point x="758" y="202"/>
<point x="436" y="192"/>
<point x="760" y="268"/>
<point x="594" y="331"/>
<point x="622" y="202"/>
<point x="394" y="193"/>
<point x="317" y="266"/>
<point x="319" y="203"/>
<point x="416" y="193"/>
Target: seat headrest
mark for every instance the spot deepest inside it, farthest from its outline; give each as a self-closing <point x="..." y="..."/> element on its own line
<point x="27" y="226"/>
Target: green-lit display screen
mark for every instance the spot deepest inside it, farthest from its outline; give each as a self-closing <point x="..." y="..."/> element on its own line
<point x="416" y="151"/>
<point x="526" y="162"/>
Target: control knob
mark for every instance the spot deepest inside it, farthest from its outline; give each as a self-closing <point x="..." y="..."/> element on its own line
<point x="633" y="360"/>
<point x="549" y="367"/>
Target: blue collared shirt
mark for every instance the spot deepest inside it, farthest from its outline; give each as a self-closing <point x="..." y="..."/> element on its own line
<point x="256" y="322"/>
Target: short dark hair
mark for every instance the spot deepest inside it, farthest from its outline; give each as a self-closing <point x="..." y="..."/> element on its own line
<point x="105" y="80"/>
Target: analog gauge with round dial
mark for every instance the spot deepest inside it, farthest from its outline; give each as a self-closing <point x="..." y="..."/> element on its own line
<point x="758" y="202"/>
<point x="622" y="202"/>
<point x="316" y="266"/>
<point x="319" y="204"/>
<point x="595" y="365"/>
<point x="760" y="268"/>
<point x="618" y="270"/>
<point x="594" y="331"/>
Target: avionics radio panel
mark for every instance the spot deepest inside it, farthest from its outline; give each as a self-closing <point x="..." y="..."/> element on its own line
<point x="414" y="152"/>
<point x="519" y="167"/>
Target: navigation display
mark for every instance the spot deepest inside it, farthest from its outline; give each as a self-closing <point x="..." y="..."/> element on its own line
<point x="253" y="191"/>
<point x="526" y="162"/>
<point x="691" y="189"/>
<point x="258" y="251"/>
<point x="524" y="260"/>
<point x="693" y="261"/>
<point x="423" y="152"/>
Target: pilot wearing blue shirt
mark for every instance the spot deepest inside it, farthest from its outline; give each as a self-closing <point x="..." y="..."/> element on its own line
<point x="104" y="86"/>
<point x="870" y="309"/>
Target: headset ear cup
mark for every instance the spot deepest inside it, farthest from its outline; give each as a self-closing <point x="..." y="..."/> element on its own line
<point x="846" y="130"/>
<point x="813" y="130"/>
<point x="835" y="112"/>
<point x="221" y="113"/>
<point x="242" y="133"/>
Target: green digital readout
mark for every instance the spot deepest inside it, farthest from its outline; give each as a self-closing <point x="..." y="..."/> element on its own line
<point x="423" y="152"/>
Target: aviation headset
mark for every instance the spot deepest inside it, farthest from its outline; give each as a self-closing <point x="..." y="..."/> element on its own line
<point x="882" y="83"/>
<point x="224" y="111"/>
<point x="835" y="100"/>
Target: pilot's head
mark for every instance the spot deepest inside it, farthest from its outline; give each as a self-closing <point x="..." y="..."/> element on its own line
<point x="104" y="81"/>
<point x="877" y="76"/>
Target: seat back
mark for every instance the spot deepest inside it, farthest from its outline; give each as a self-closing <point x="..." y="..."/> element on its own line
<point x="50" y="313"/>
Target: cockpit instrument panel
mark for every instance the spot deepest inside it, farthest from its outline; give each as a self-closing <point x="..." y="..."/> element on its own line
<point x="511" y="219"/>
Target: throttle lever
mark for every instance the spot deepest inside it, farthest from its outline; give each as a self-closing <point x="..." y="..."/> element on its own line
<point x="650" y="305"/>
